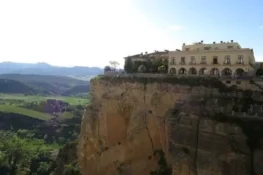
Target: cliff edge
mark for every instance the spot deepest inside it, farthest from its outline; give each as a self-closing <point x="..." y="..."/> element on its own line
<point x="170" y="126"/>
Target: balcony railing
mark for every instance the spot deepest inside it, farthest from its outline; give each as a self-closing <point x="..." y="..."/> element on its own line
<point x="239" y="62"/>
<point x="227" y="63"/>
<point x="192" y="62"/>
<point x="203" y="62"/>
<point x="182" y="62"/>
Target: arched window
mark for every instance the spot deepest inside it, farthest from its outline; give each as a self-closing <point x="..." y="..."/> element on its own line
<point x="202" y="71"/>
<point x="214" y="71"/>
<point x="182" y="71"/>
<point x="239" y="72"/>
<point x="172" y="71"/>
<point x="192" y="71"/>
<point x="226" y="72"/>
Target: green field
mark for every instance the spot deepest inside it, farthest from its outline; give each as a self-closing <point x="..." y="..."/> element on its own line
<point x="29" y="98"/>
<point x="23" y="111"/>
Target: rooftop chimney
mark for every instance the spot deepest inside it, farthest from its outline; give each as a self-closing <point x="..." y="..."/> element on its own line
<point x="183" y="44"/>
<point x="214" y="42"/>
<point x="232" y="41"/>
<point x="202" y="41"/>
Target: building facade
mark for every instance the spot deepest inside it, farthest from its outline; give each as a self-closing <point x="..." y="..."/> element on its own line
<point x="216" y="59"/>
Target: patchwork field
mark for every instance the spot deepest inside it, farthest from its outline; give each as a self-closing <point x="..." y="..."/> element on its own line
<point x="23" y="111"/>
<point x="32" y="98"/>
<point x="38" y="107"/>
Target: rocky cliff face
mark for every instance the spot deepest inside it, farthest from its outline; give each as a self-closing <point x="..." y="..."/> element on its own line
<point x="172" y="127"/>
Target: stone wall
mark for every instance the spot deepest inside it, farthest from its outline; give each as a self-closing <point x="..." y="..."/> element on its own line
<point x="156" y="126"/>
<point x="243" y="83"/>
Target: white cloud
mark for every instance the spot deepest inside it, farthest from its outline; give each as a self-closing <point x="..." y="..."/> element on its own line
<point x="83" y="32"/>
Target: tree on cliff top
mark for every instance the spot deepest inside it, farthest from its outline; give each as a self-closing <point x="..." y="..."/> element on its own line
<point x="114" y="64"/>
<point x="107" y="68"/>
<point x="128" y="66"/>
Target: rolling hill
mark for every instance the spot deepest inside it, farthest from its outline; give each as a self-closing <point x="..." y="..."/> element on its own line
<point x="41" y="84"/>
<point x="76" y="90"/>
<point x="46" y="69"/>
<point x="12" y="86"/>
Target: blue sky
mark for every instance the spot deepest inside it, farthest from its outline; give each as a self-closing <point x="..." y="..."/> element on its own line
<point x="209" y="20"/>
<point x="91" y="33"/>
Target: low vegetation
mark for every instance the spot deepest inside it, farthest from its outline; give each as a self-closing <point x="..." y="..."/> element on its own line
<point x="24" y="155"/>
<point x="38" y="133"/>
<point x="187" y="81"/>
<point x="156" y="66"/>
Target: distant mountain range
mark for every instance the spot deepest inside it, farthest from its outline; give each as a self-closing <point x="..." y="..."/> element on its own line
<point x="46" y="69"/>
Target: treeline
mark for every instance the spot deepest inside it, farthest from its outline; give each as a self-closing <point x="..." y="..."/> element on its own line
<point x="155" y="66"/>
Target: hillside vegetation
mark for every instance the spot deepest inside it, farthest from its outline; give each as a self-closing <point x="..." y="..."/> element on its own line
<point x="11" y="86"/>
<point x="37" y="134"/>
<point x="42" y="84"/>
<point x="40" y="117"/>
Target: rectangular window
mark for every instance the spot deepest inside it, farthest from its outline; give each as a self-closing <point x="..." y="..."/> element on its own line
<point x="215" y="60"/>
<point x="182" y="60"/>
<point x="172" y="61"/>
<point x="227" y="59"/>
<point x="240" y="59"/>
<point x="192" y="60"/>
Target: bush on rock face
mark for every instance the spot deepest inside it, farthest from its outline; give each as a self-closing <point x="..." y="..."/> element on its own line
<point x="107" y="68"/>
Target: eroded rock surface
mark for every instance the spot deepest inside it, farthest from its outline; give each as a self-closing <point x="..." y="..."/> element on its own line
<point x="140" y="128"/>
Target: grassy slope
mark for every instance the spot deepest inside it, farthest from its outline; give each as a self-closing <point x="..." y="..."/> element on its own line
<point x="23" y="111"/>
<point x="31" y="98"/>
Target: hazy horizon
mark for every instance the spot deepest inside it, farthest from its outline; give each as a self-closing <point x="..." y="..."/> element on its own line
<point x="51" y="64"/>
<point x="91" y="33"/>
